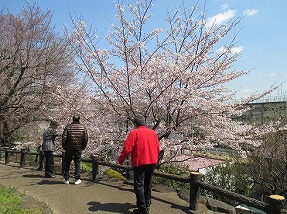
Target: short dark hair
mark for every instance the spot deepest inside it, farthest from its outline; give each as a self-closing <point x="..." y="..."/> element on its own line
<point x="76" y="118"/>
<point x="53" y="123"/>
<point x="139" y="120"/>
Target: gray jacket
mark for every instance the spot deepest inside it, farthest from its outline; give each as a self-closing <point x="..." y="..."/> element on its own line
<point x="49" y="136"/>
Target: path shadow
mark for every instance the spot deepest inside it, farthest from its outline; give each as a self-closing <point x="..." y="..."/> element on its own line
<point x="111" y="207"/>
<point x="33" y="176"/>
<point x="125" y="187"/>
<point x="173" y="205"/>
<point x="44" y="180"/>
<point x="122" y="187"/>
<point x="49" y="182"/>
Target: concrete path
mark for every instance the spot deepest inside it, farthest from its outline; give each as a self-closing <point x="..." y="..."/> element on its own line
<point x="87" y="197"/>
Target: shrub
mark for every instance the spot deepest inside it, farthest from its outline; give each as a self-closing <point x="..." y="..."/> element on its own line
<point x="175" y="169"/>
<point x="229" y="177"/>
<point x="114" y="174"/>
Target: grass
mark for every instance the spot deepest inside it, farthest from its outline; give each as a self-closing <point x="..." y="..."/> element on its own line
<point x="114" y="174"/>
<point x="10" y="203"/>
<point x="108" y="171"/>
<point x="86" y="166"/>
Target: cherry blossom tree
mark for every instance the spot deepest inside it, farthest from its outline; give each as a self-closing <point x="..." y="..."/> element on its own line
<point x="76" y="99"/>
<point x="33" y="61"/>
<point x="175" y="76"/>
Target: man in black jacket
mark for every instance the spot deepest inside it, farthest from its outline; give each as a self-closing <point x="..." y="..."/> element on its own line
<point x="74" y="140"/>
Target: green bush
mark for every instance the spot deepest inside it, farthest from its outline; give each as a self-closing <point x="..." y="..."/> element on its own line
<point x="228" y="177"/>
<point x="86" y="166"/>
<point x="175" y="169"/>
<point x="114" y="174"/>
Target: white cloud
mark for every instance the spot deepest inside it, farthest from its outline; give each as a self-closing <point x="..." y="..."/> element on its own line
<point x="250" y="12"/>
<point x="224" y="6"/>
<point x="272" y="74"/>
<point x="220" y="18"/>
<point x="234" y="50"/>
<point x="238" y="49"/>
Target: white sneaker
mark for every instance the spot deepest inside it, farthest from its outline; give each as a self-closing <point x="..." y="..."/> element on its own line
<point x="65" y="181"/>
<point x="78" y="181"/>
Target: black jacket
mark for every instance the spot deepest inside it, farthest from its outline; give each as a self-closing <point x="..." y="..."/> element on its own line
<point x="74" y="137"/>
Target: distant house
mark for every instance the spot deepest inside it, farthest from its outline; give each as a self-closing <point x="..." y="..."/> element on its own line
<point x="198" y="164"/>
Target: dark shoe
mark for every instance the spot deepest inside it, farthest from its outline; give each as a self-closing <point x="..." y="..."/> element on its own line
<point x="136" y="211"/>
<point x="50" y="176"/>
<point x="39" y="169"/>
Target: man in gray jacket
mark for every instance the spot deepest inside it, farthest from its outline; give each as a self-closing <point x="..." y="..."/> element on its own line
<point x="74" y="140"/>
<point x="48" y="147"/>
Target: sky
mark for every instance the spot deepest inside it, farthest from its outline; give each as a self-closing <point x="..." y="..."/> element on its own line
<point x="261" y="39"/>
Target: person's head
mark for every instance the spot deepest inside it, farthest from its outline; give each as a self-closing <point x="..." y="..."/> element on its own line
<point x="76" y="119"/>
<point x="139" y="120"/>
<point x="53" y="124"/>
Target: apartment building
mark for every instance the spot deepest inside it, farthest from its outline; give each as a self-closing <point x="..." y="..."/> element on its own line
<point x="264" y="111"/>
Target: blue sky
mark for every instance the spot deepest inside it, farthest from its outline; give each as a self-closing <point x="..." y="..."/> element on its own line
<point x="262" y="37"/>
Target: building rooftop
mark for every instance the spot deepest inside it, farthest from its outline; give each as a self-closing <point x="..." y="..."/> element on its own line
<point x="197" y="163"/>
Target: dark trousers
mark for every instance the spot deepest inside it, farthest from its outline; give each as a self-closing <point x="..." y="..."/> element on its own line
<point x="49" y="162"/>
<point x="142" y="186"/>
<point x="74" y="155"/>
<point x="41" y="160"/>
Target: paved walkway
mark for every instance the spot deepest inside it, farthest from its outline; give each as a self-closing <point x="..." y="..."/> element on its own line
<point x="87" y="197"/>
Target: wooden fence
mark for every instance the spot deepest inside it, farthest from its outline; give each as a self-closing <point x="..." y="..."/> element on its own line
<point x="275" y="203"/>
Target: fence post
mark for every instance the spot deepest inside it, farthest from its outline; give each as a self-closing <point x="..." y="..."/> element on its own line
<point x="7" y="154"/>
<point x="22" y="158"/>
<point x="194" y="190"/>
<point x="276" y="204"/>
<point x="127" y="171"/>
<point x="95" y="169"/>
<point x="63" y="162"/>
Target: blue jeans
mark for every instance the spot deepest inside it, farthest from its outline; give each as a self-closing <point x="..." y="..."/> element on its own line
<point x="74" y="155"/>
<point x="142" y="186"/>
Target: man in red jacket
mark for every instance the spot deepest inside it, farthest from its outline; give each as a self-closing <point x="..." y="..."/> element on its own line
<point x="143" y="145"/>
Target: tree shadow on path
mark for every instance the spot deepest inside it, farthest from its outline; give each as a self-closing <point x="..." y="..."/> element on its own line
<point x="173" y="205"/>
<point x="111" y="207"/>
<point x="44" y="180"/>
<point x="49" y="182"/>
<point x="32" y="176"/>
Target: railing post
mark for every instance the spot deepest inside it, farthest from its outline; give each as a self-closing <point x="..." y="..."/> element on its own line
<point x="7" y="154"/>
<point x="127" y="171"/>
<point x="276" y="204"/>
<point x="194" y="191"/>
<point x="41" y="160"/>
<point x="63" y="162"/>
<point x="22" y="158"/>
<point x="95" y="169"/>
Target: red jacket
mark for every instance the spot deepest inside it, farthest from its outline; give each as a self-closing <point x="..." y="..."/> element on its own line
<point x="143" y="145"/>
